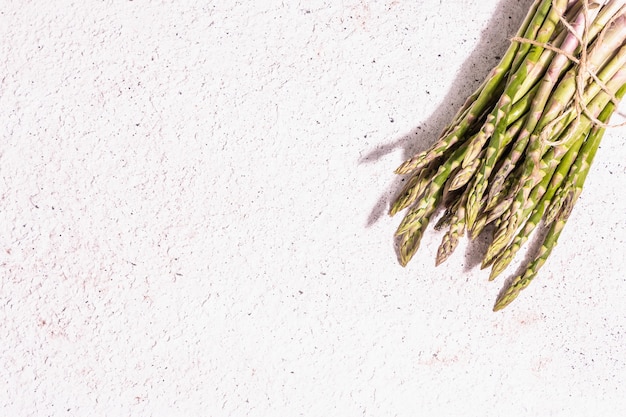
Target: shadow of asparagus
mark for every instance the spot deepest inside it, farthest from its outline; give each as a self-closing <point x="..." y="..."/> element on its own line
<point x="493" y="43"/>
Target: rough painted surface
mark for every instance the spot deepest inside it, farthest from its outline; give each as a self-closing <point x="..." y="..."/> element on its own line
<point x="192" y="220"/>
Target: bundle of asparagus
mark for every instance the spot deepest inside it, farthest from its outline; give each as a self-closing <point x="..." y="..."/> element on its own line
<point x="518" y="151"/>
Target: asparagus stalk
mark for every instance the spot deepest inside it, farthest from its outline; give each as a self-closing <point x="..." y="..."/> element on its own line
<point x="413" y="189"/>
<point x="450" y="239"/>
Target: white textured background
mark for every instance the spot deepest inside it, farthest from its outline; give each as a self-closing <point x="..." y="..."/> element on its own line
<point x="192" y="220"/>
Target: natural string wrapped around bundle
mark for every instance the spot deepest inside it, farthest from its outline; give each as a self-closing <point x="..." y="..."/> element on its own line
<point x="518" y="151"/>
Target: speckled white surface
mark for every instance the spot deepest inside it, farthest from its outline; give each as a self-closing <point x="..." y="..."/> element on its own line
<point x="192" y="220"/>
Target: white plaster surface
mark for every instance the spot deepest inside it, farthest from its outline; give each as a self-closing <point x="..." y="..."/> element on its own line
<point x="192" y="220"/>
